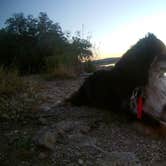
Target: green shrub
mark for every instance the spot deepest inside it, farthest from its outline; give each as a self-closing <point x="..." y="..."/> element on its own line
<point x="17" y="96"/>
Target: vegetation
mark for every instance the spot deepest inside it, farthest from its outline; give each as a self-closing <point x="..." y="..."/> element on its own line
<point x="28" y="44"/>
<point x="17" y="96"/>
<point x="31" y="45"/>
<point x="89" y="66"/>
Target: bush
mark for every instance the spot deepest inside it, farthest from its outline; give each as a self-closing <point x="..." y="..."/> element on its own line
<point x="17" y="96"/>
<point x="64" y="66"/>
<point x="10" y="83"/>
<point x="61" y="71"/>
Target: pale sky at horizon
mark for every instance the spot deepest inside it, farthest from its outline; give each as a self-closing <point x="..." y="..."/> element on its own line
<point x="114" y="25"/>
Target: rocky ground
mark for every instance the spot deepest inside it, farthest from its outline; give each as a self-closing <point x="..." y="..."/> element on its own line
<point x="63" y="135"/>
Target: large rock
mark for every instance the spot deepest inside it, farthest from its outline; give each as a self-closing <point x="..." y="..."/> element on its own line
<point x="46" y="138"/>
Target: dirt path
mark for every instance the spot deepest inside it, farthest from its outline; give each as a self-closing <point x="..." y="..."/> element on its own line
<point x="54" y="92"/>
<point x="73" y="136"/>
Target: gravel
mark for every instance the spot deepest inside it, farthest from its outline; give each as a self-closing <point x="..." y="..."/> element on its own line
<point x="87" y="136"/>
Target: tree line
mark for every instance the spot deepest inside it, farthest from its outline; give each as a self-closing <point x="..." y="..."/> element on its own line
<point x="28" y="43"/>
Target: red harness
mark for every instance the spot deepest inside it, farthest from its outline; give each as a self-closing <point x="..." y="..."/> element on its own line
<point x="139" y="107"/>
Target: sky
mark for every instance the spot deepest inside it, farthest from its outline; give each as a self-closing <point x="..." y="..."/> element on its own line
<point x="114" y="25"/>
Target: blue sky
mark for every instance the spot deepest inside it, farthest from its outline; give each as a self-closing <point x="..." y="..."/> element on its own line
<point x="114" y="25"/>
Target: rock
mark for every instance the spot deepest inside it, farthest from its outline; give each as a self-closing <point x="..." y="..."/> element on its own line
<point x="58" y="102"/>
<point x="82" y="140"/>
<point x="44" y="108"/>
<point x="119" y="158"/>
<point x="80" y="162"/>
<point x="42" y="155"/>
<point x="15" y="131"/>
<point x="46" y="138"/>
<point x="73" y="126"/>
<point x="67" y="126"/>
<point x="85" y="129"/>
<point x="42" y="121"/>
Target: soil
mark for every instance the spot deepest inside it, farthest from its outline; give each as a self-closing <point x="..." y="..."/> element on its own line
<point x="80" y="135"/>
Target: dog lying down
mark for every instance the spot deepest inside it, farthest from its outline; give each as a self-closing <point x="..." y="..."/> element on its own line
<point x="142" y="69"/>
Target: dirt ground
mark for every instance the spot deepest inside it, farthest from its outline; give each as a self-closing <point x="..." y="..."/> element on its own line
<point x="63" y="135"/>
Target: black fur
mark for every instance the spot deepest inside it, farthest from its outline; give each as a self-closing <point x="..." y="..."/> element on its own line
<point x="112" y="89"/>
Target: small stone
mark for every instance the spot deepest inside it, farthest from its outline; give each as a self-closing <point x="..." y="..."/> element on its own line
<point x="42" y="155"/>
<point x="44" y="108"/>
<point x="46" y="138"/>
<point x="58" y="102"/>
<point x="80" y="162"/>
<point x="15" y="131"/>
<point x="24" y="132"/>
<point x="42" y="121"/>
<point x="85" y="129"/>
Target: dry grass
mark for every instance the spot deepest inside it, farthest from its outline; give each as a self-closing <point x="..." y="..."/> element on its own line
<point x="17" y="96"/>
<point x="65" y="71"/>
<point x="10" y="83"/>
<point x="66" y="66"/>
<point x="62" y="72"/>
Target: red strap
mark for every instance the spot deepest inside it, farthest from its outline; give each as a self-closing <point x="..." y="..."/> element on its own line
<point x="139" y="107"/>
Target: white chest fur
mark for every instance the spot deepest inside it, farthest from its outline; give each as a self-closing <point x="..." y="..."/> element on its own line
<point x="155" y="91"/>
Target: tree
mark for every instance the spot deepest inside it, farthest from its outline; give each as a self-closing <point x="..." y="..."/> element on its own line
<point x="81" y="48"/>
<point x="32" y="26"/>
<point x="26" y="42"/>
<point x="44" y="23"/>
<point x="16" y="24"/>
